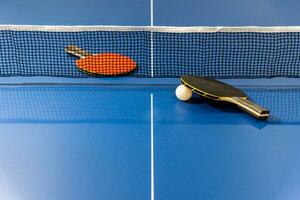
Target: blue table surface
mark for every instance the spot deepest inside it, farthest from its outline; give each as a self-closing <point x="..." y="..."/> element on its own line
<point x="139" y="12"/>
<point x="91" y="140"/>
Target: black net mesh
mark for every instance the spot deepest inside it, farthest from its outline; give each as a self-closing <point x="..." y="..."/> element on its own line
<point x="157" y="53"/>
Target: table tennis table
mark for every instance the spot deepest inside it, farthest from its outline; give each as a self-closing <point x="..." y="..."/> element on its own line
<point x="130" y="138"/>
<point x="135" y="140"/>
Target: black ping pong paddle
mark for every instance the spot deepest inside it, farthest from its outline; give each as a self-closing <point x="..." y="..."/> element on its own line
<point x="220" y="91"/>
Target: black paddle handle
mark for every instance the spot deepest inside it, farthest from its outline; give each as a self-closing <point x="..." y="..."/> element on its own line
<point x="250" y="107"/>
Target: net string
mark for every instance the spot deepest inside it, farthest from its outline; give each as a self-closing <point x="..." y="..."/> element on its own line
<point x="219" y="52"/>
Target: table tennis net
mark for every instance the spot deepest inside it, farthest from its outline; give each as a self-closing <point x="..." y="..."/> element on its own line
<point x="241" y="52"/>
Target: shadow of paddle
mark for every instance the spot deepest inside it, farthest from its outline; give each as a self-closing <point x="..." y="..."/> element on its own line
<point x="219" y="105"/>
<point x="227" y="107"/>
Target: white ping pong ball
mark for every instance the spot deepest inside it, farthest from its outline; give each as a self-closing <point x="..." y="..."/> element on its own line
<point x="183" y="93"/>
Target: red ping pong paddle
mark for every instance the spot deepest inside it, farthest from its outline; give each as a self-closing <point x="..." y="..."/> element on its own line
<point x="108" y="64"/>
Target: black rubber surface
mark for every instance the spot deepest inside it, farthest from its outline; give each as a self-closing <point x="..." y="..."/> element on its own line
<point x="212" y="87"/>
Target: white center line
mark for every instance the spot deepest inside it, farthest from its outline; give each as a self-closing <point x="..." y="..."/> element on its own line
<point x="152" y="110"/>
<point x="151" y="12"/>
<point x="152" y="148"/>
